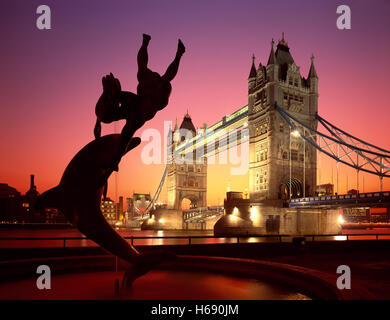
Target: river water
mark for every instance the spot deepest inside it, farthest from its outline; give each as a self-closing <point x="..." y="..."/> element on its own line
<point x="354" y="234"/>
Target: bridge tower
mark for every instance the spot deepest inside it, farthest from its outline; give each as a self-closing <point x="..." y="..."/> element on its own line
<point x="272" y="145"/>
<point x="186" y="176"/>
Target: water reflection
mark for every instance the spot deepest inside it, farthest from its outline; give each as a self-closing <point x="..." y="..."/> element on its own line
<point x="196" y="237"/>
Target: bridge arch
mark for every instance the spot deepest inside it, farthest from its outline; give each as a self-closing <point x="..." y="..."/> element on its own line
<point x="296" y="188"/>
<point x="188" y="202"/>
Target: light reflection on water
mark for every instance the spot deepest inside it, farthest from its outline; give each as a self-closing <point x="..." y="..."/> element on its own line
<point x="368" y="234"/>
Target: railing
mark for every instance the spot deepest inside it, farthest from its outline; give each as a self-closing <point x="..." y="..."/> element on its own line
<point x="190" y="239"/>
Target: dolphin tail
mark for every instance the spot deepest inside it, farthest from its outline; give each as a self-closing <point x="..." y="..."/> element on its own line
<point x="49" y="199"/>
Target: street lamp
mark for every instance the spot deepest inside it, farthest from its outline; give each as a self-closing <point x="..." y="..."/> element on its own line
<point x="297" y="134"/>
<point x="294" y="133"/>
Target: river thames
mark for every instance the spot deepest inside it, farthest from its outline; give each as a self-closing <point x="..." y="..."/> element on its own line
<point x="35" y="236"/>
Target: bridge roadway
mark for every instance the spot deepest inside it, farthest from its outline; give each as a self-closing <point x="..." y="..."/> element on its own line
<point x="231" y="131"/>
<point x="371" y="199"/>
<point x="202" y="214"/>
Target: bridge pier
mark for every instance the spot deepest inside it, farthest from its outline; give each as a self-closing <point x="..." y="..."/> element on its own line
<point x="271" y="217"/>
<point x="164" y="219"/>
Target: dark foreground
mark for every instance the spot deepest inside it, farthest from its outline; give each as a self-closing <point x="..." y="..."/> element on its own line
<point x="368" y="260"/>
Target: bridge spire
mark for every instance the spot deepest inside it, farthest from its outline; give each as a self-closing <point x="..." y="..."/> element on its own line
<point x="283" y="42"/>
<point x="176" y="126"/>
<point x="312" y="71"/>
<point x="272" y="57"/>
<point x="252" y="73"/>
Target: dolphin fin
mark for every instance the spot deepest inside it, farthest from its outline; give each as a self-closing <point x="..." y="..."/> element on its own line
<point x="134" y="142"/>
<point x="49" y="199"/>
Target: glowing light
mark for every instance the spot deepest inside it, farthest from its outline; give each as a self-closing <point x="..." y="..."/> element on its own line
<point x="235" y="211"/>
<point x="161" y="220"/>
<point x="295" y="133"/>
<point x="254" y="215"/>
<point x="340" y="238"/>
<point x="233" y="217"/>
<point x="151" y="220"/>
<point x="340" y="219"/>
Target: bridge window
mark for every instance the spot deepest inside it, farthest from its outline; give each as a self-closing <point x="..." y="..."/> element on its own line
<point x="285" y="155"/>
<point x="294" y="155"/>
<point x="301" y="157"/>
<point x="281" y="128"/>
<point x="190" y="168"/>
<point x="257" y="156"/>
<point x="196" y="184"/>
<point x="296" y="82"/>
<point x="198" y="169"/>
<point x="290" y="82"/>
<point x="190" y="183"/>
<point x="262" y="156"/>
<point x="257" y="182"/>
<point x="182" y="168"/>
<point x="265" y="154"/>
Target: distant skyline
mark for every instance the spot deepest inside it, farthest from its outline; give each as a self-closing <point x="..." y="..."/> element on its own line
<point x="51" y="79"/>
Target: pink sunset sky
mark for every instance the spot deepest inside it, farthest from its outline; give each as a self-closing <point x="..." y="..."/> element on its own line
<point x="51" y="79"/>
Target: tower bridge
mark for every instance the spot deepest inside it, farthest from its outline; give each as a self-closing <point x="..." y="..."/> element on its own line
<point x="280" y="123"/>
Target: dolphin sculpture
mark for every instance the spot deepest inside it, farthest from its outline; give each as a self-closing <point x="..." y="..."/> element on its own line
<point x="84" y="181"/>
<point x="79" y="194"/>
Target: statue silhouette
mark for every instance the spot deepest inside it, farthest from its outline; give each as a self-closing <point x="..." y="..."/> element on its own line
<point x="153" y="93"/>
<point x="82" y="185"/>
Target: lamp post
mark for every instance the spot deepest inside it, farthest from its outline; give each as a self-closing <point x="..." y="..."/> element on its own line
<point x="295" y="133"/>
<point x="337" y="169"/>
<point x="304" y="165"/>
<point x="289" y="181"/>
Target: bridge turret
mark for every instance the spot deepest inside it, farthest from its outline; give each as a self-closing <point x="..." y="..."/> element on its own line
<point x="272" y="147"/>
<point x="312" y="79"/>
<point x="187" y="175"/>
<point x="176" y="135"/>
<point x="272" y="66"/>
<point x="252" y="76"/>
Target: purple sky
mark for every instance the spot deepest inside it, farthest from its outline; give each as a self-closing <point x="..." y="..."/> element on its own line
<point x="50" y="80"/>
